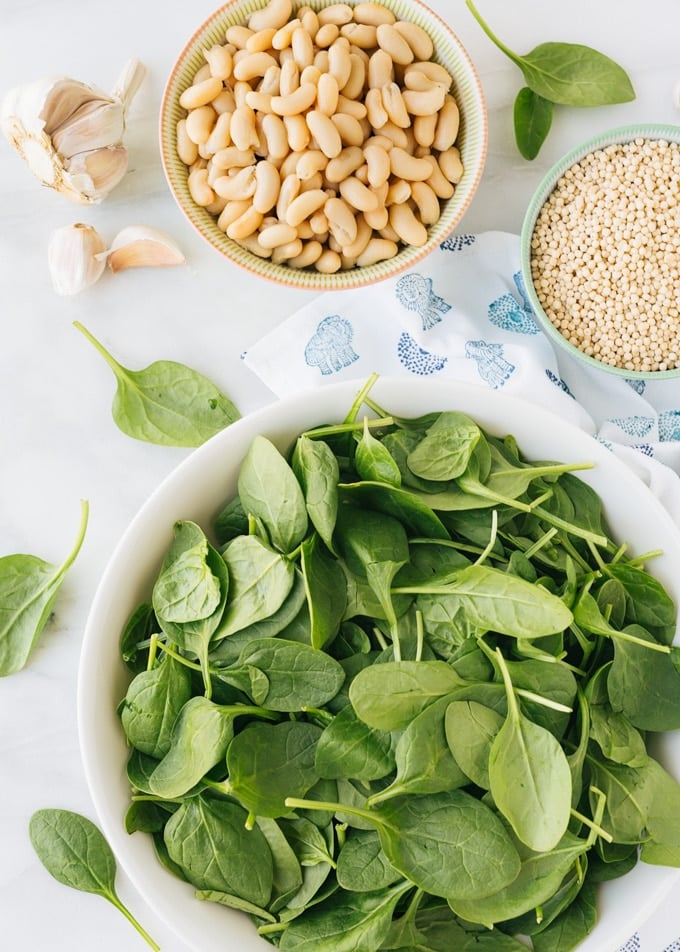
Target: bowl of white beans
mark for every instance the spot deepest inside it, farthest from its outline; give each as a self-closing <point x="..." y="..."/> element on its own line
<point x="600" y="250"/>
<point x="323" y="146"/>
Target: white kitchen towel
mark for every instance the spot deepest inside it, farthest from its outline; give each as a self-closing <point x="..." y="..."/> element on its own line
<point x="462" y="314"/>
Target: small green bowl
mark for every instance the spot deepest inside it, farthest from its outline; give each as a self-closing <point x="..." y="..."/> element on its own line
<point x="472" y="141"/>
<point x="618" y="136"/>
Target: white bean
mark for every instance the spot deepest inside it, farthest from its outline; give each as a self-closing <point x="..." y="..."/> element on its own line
<point x="275" y="14"/>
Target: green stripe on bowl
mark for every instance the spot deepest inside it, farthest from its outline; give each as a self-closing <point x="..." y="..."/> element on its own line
<point x="472" y="142"/>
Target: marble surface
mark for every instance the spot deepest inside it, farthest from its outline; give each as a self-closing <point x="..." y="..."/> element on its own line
<point x="59" y="443"/>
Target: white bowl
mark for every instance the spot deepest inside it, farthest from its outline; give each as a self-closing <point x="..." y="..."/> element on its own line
<point x="197" y="489"/>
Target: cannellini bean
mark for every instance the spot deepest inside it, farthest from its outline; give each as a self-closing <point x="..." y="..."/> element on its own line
<point x="434" y="71"/>
<point x="242" y="129"/>
<point x="357" y="194"/>
<point x="230" y="212"/>
<point x="199" y="124"/>
<point x="326" y="35"/>
<point x="437" y="181"/>
<point x="241" y="184"/>
<point x="337" y="13"/>
<point x="253" y="65"/>
<point x="339" y="61"/>
<point x="424" y="128"/>
<point x="380" y="69"/>
<point x="275" y="135"/>
<point x="377" y="249"/>
<point x="268" y="186"/>
<point x="397" y="135"/>
<point x="417" y="38"/>
<point x="373" y="13"/>
<point x="289" y="77"/>
<point x="448" y="121"/>
<point x="327" y="94"/>
<point x="232" y="158"/>
<point x="225" y="102"/>
<point x="375" y="110"/>
<point x="290" y="189"/>
<point x="199" y="189"/>
<point x="202" y="73"/>
<point x="389" y="233"/>
<point x="362" y="35"/>
<point x="451" y="165"/>
<point x="258" y="101"/>
<point x="310" y="21"/>
<point x="261" y="41"/>
<point x="295" y="103"/>
<point x="349" y="160"/>
<point x="390" y="40"/>
<point x="283" y="36"/>
<point x="357" y="78"/>
<point x="394" y="105"/>
<point x="275" y="235"/>
<point x="275" y="14"/>
<point x="220" y="61"/>
<point x="406" y="166"/>
<point x="271" y="82"/>
<point x="310" y="74"/>
<point x="283" y="253"/>
<point x="245" y="224"/>
<point x="311" y="251"/>
<point x="342" y="222"/>
<point x="350" y="129"/>
<point x="377" y="164"/>
<point x="304" y="205"/>
<point x="419" y="81"/>
<point x="313" y="182"/>
<point x="324" y="132"/>
<point x="187" y="149"/>
<point x="328" y="262"/>
<point x="252" y="244"/>
<point x="410" y="230"/>
<point x="424" y="102"/>
<point x="377" y="218"/>
<point x="310" y="163"/>
<point x="398" y="192"/>
<point x="303" y="47"/>
<point x="238" y="36"/>
<point x="220" y="137"/>
<point x="351" y="107"/>
<point x="426" y="202"/>
<point x="298" y="134"/>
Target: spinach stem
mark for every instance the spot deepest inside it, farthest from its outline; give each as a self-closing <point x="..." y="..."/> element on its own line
<point x="353" y="411"/>
<point x="117" y="368"/>
<point x="131" y="919"/>
<point x="326" y="805"/>
<point x="492" y="36"/>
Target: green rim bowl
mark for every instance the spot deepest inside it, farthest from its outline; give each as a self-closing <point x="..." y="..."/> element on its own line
<point x="472" y="142"/>
<point x="547" y="185"/>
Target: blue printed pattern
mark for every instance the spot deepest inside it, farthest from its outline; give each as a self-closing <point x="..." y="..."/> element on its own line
<point x="632" y="945"/>
<point x="669" y="425"/>
<point x="634" y="425"/>
<point x="553" y="378"/>
<point x="638" y="386"/>
<point x="414" y="292"/>
<point x="645" y="448"/>
<point x="509" y="314"/>
<point x="492" y="366"/>
<point x="330" y="347"/>
<point x="417" y="360"/>
<point x="457" y="242"/>
<point x="673" y="947"/>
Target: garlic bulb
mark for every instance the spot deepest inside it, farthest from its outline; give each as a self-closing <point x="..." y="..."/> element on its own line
<point x="139" y="246"/>
<point x="71" y="134"/>
<point x="73" y="257"/>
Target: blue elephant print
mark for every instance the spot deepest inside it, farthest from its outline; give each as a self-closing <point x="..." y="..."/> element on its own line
<point x="417" y="360"/>
<point x="457" y="242"/>
<point x="493" y="368"/>
<point x="669" y="425"/>
<point x="330" y="348"/>
<point x="415" y="293"/>
<point x="509" y="314"/>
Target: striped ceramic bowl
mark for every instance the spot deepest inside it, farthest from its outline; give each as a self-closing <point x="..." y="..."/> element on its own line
<point x="472" y="142"/>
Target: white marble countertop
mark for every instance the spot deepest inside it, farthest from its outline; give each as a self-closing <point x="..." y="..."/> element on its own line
<point x="59" y="443"/>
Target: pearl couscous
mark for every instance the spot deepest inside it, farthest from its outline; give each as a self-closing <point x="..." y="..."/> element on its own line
<point x="605" y="255"/>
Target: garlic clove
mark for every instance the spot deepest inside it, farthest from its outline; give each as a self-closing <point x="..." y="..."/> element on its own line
<point x="93" y="174"/>
<point x="140" y="246"/>
<point x="72" y="257"/>
<point x="94" y="125"/>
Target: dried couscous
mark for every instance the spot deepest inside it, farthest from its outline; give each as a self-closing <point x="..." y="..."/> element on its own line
<point x="605" y="255"/>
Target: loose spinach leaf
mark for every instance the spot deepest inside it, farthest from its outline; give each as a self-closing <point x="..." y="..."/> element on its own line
<point x="74" y="851"/>
<point x="166" y="403"/>
<point x="532" y="118"/>
<point x="28" y="589"/>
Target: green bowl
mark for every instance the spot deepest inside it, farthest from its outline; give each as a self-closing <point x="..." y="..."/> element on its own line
<point x="472" y="142"/>
<point x="547" y="185"/>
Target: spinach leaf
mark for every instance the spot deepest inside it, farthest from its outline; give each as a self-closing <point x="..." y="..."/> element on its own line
<point x="644" y="684"/>
<point x="260" y="579"/>
<point x="471" y="728"/>
<point x="74" y="851"/>
<point x="362" y="865"/>
<point x="298" y="676"/>
<point x="152" y="703"/>
<point x="28" y="589"/>
<point x="166" y="403"/>
<point x="532" y="117"/>
<point x="413" y="686"/>
<point x="269" y="491"/>
<point x="350" y="748"/>
<point x="318" y="473"/>
<point x="325" y="590"/>
<point x="445" y="450"/>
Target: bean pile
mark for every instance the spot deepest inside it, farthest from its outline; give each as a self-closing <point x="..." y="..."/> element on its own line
<point x="605" y="255"/>
<point x="322" y="140"/>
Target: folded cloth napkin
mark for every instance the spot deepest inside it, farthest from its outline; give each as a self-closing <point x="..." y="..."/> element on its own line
<point x="462" y="313"/>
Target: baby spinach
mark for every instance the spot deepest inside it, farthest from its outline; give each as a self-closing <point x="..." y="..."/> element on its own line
<point x="405" y="704"/>
<point x="567" y="74"/>
<point x="532" y="119"/>
<point x="166" y="403"/>
<point x="28" y="588"/>
<point x="74" y="851"/>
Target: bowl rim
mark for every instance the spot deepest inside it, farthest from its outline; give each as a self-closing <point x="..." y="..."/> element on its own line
<point x="279" y="420"/>
<point x="620" y="134"/>
<point x="406" y="257"/>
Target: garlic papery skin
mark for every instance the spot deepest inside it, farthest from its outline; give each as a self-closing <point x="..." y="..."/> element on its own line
<point x="140" y="246"/>
<point x="73" y="258"/>
<point x="53" y="122"/>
